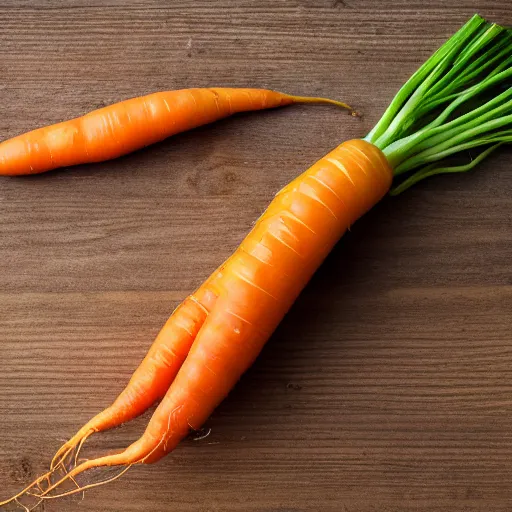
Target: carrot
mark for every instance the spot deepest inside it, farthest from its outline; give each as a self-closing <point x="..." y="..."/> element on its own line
<point x="254" y="289"/>
<point x="132" y="124"/>
<point x="454" y="102"/>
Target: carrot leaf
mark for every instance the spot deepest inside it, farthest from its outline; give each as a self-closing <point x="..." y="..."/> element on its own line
<point x="459" y="99"/>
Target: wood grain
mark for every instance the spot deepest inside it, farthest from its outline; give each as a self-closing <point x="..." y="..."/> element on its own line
<point x="388" y="387"/>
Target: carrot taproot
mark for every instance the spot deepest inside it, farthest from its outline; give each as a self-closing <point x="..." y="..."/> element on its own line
<point x="429" y="119"/>
<point x="129" y="125"/>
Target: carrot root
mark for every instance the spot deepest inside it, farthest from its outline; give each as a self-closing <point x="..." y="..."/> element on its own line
<point x="27" y="490"/>
<point x="67" y="448"/>
<point x="80" y="488"/>
<point x="135" y="454"/>
<point x="42" y="492"/>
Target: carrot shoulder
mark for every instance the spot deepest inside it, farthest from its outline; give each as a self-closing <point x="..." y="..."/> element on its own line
<point x="130" y="125"/>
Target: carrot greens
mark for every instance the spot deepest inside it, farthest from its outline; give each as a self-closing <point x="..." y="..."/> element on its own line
<point x="458" y="100"/>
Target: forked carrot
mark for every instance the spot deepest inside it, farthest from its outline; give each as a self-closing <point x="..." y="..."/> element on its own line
<point x="251" y="292"/>
<point x="459" y="99"/>
<point x="132" y="124"/>
<point x="158" y="369"/>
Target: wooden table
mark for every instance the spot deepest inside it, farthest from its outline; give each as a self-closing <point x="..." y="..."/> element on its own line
<point x="388" y="387"/>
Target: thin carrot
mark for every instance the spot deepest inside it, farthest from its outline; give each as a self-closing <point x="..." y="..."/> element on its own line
<point x="132" y="124"/>
<point x="256" y="286"/>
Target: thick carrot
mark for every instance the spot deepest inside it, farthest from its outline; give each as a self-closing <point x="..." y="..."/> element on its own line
<point x="260" y="283"/>
<point x="255" y="288"/>
<point x="132" y="124"/>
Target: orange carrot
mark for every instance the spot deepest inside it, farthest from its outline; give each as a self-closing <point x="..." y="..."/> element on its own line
<point x="251" y="292"/>
<point x="132" y="124"/>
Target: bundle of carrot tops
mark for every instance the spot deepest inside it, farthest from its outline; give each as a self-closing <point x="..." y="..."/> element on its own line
<point x="460" y="99"/>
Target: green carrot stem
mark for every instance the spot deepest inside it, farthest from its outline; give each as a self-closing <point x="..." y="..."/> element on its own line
<point x="460" y="98"/>
<point x="432" y="170"/>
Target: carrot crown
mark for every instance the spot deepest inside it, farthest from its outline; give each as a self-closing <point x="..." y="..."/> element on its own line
<point x="459" y="99"/>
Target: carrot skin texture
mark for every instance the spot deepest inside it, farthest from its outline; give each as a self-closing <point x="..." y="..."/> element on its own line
<point x="260" y="282"/>
<point x="126" y="126"/>
<point x="152" y="378"/>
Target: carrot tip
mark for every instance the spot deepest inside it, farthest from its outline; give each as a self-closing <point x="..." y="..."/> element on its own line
<point x="63" y="466"/>
<point x="79" y="488"/>
<point x="325" y="101"/>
